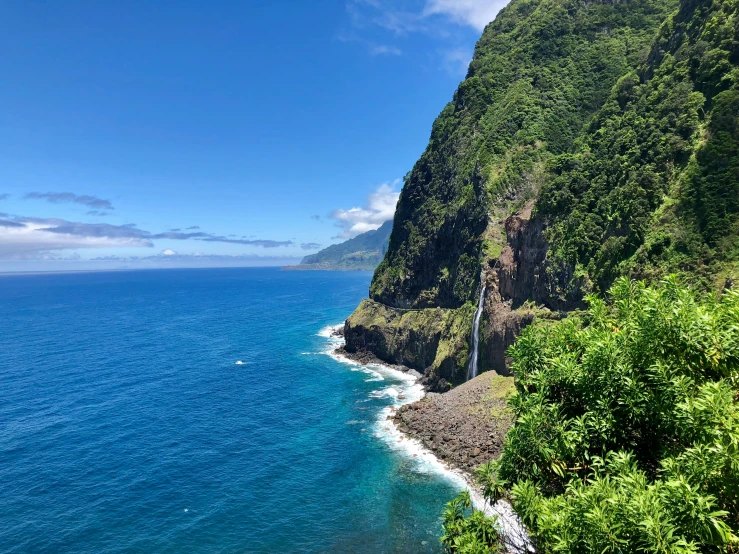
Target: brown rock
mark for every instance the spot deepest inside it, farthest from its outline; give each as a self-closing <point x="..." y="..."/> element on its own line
<point x="466" y="425"/>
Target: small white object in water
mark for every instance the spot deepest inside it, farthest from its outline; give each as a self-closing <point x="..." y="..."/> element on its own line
<point x="186" y="510"/>
<point x="239" y="363"/>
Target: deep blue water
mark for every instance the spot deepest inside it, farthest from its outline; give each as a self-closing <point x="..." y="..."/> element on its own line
<point x="127" y="426"/>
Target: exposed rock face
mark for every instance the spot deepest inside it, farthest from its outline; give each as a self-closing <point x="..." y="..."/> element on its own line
<point x="521" y="285"/>
<point x="432" y="341"/>
<point x="465" y="426"/>
<point x="524" y="274"/>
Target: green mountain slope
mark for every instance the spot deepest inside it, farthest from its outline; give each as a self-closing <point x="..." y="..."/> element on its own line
<point x="653" y="186"/>
<point x="626" y="418"/>
<point x="363" y="252"/>
<point x="539" y="72"/>
<point x="588" y="141"/>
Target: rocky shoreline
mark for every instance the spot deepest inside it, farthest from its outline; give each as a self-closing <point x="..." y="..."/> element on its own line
<point x="365" y="357"/>
<point x="464" y="427"/>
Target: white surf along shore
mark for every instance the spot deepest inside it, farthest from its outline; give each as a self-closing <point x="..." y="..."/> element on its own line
<point x="405" y="388"/>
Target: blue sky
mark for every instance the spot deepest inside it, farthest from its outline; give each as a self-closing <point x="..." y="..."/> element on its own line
<point x="159" y="134"/>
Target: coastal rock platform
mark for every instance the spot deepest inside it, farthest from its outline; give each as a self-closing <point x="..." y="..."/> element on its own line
<point x="464" y="427"/>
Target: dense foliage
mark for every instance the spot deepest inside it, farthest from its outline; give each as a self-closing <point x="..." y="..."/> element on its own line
<point x="653" y="186"/>
<point x="466" y="530"/>
<point x="539" y="72"/>
<point x="627" y="425"/>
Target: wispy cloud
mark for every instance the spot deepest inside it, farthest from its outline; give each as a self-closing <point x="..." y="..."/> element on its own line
<point x="384" y="49"/>
<point x="70" y="197"/>
<point x="475" y="13"/>
<point x="412" y="16"/>
<point x="31" y="236"/>
<point x="192" y="227"/>
<point x="399" y="17"/>
<point x="170" y="258"/>
<point x="175" y="235"/>
<point x="310" y="246"/>
<point x="374" y="48"/>
<point x="262" y="243"/>
<point x="6" y="223"/>
<point x="456" y="61"/>
<point x="448" y="21"/>
<point x="4" y="196"/>
<point x="22" y="236"/>
<point x="379" y="208"/>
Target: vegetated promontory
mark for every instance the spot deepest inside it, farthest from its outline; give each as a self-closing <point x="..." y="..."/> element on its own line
<point x="361" y="253"/>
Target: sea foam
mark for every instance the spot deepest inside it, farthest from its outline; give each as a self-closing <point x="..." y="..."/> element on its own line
<point x="406" y="390"/>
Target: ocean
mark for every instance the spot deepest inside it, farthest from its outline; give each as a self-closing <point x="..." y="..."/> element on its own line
<point x="201" y="411"/>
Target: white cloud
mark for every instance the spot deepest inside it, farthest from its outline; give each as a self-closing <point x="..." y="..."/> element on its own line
<point x="398" y="17"/>
<point x="409" y="17"/>
<point x="22" y="237"/>
<point x="447" y="21"/>
<point x="34" y="236"/>
<point x="475" y="13"/>
<point x="374" y="48"/>
<point x="168" y="252"/>
<point x="380" y="208"/>
<point x="383" y="49"/>
<point x="456" y="61"/>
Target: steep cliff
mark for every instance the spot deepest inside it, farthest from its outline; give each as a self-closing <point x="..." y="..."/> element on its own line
<point x="589" y="140"/>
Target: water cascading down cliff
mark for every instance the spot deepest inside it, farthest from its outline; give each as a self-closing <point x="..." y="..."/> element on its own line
<point x="475" y="339"/>
<point x="583" y="144"/>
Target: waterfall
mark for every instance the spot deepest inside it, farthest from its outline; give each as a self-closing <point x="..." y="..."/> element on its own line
<point x="475" y="342"/>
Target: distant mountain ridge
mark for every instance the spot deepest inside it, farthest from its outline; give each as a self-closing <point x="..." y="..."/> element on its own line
<point x="363" y="252"/>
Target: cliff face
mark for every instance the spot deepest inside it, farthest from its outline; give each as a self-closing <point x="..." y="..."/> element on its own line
<point x="539" y="72"/>
<point x="432" y="340"/>
<point x="589" y="140"/>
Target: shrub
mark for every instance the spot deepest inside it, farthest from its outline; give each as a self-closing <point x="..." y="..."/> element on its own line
<point x="627" y="425"/>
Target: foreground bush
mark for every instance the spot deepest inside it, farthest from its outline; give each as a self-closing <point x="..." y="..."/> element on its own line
<point x="465" y="532"/>
<point x="627" y="425"/>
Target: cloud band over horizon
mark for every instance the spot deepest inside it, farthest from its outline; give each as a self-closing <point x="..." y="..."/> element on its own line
<point x="24" y="237"/>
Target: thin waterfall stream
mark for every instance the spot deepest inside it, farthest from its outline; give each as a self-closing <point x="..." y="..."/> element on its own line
<point x="472" y="364"/>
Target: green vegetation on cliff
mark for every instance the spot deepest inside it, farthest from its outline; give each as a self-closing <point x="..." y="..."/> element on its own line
<point x="626" y="436"/>
<point x="591" y="143"/>
<point x="363" y="252"/>
<point x="653" y="184"/>
<point x="539" y="72"/>
<point x="590" y="140"/>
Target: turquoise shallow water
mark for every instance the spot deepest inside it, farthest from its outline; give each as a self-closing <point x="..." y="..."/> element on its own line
<point x="126" y="424"/>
